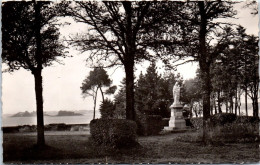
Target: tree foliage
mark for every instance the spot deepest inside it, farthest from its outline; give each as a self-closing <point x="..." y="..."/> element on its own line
<point x="107" y="109"/>
<point x="153" y="92"/>
<point x="96" y="80"/>
<point x="236" y="70"/>
<point x="192" y="94"/>
<point x="119" y="34"/>
<point x="19" y="35"/>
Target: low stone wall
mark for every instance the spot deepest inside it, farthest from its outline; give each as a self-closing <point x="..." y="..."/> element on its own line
<point x="49" y="127"/>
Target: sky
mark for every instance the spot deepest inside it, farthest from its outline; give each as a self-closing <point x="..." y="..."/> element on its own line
<point x="61" y="83"/>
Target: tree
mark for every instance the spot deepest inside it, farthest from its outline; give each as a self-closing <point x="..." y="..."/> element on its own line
<point x="153" y="92"/>
<point x="120" y="102"/>
<point x="107" y="109"/>
<point x="146" y="91"/>
<point x="192" y="93"/>
<point x="118" y="35"/>
<point x="253" y="73"/>
<point x="97" y="79"/>
<point x="238" y="69"/>
<point x="199" y="26"/>
<point x="234" y="70"/>
<point x="31" y="41"/>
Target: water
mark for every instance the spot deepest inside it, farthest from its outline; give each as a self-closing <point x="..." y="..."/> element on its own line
<point x="15" y="121"/>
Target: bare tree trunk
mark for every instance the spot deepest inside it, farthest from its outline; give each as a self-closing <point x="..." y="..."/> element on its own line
<point x="191" y="107"/>
<point x="130" y="112"/>
<point x="246" y="101"/>
<point x="215" y="106"/>
<point x="239" y="111"/>
<point x="255" y="108"/>
<point x="239" y="101"/>
<point x="102" y="94"/>
<point x="226" y="106"/>
<point x="231" y="104"/>
<point x="129" y="61"/>
<point x="196" y="111"/>
<point x="39" y="107"/>
<point x="255" y="88"/>
<point x="219" y="106"/>
<point x="38" y="78"/>
<point x="246" y="85"/>
<point x="205" y="68"/>
<point x="236" y="101"/>
<point x="95" y="102"/>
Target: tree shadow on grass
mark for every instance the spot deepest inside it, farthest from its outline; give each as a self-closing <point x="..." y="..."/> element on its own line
<point x="31" y="152"/>
<point x="62" y="148"/>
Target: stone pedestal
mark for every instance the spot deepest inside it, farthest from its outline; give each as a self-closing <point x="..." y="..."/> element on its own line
<point x="176" y="121"/>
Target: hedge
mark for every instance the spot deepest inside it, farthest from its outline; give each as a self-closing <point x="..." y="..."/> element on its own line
<point x="222" y="119"/>
<point x="197" y="123"/>
<point x="116" y="133"/>
<point x="154" y="124"/>
<point x="150" y="125"/>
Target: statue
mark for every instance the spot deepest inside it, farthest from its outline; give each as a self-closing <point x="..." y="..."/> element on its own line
<point x="176" y="93"/>
<point x="176" y="120"/>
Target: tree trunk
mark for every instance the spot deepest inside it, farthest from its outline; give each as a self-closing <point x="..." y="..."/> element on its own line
<point x="236" y="93"/>
<point x="206" y="98"/>
<point x="255" y="88"/>
<point x="226" y="106"/>
<point x="37" y="72"/>
<point x="246" y="84"/>
<point x="211" y="109"/>
<point x="231" y="104"/>
<point x="191" y="107"/>
<point x="255" y="108"/>
<point x="211" y="105"/>
<point x="95" y="102"/>
<point x="129" y="60"/>
<point x="246" y="101"/>
<point x="39" y="107"/>
<point x="219" y="106"/>
<point x="204" y="63"/>
<point x="206" y="104"/>
<point x="102" y="94"/>
<point x="130" y="111"/>
<point x="239" y="111"/>
<point x="239" y="101"/>
<point x="196" y="110"/>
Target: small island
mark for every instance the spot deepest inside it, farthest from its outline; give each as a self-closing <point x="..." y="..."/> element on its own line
<point x="24" y="114"/>
<point x="68" y="113"/>
<point x="27" y="114"/>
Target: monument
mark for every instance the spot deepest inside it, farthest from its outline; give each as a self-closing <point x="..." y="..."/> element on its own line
<point x="176" y="121"/>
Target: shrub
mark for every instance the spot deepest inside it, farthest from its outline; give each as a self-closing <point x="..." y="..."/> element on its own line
<point x="226" y="128"/>
<point x="154" y="124"/>
<point x="140" y="121"/>
<point x="197" y="123"/>
<point x="116" y="133"/>
<point x="222" y="118"/>
<point x="107" y="109"/>
<point x="246" y="119"/>
<point x="235" y="132"/>
<point x="165" y="122"/>
<point x="150" y="125"/>
<point x="188" y="123"/>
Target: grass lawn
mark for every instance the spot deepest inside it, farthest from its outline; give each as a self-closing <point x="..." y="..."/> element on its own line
<point x="74" y="147"/>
